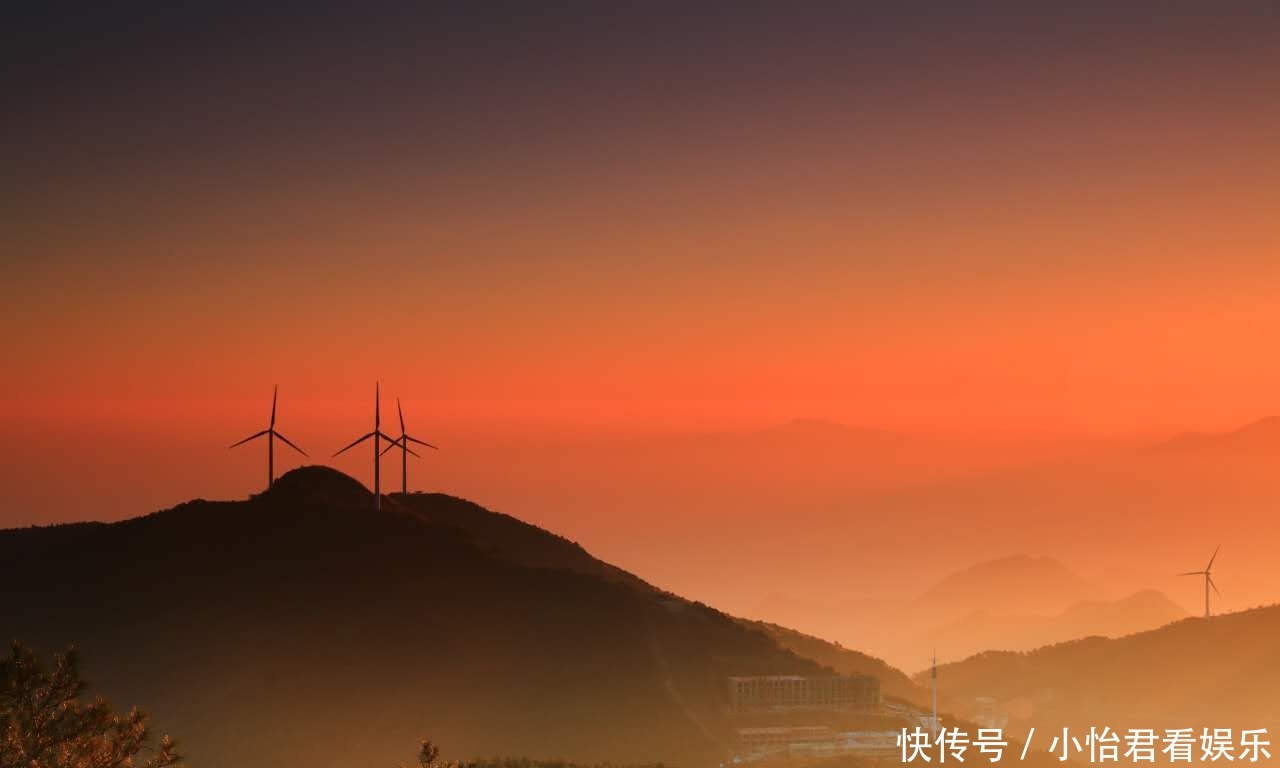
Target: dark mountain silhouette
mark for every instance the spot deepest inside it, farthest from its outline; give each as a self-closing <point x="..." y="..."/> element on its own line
<point x="514" y="540"/>
<point x="300" y="627"/>
<point x="1218" y="672"/>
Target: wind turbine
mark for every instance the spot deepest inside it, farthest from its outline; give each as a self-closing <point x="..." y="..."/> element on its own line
<point x="377" y="434"/>
<point x="1208" y="580"/>
<point x="271" y="434"/>
<point x="933" y="687"/>
<point x="403" y="443"/>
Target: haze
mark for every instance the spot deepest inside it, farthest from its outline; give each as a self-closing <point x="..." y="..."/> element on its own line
<point x="609" y="257"/>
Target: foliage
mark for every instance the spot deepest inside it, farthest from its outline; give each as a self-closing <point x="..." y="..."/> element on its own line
<point x="44" y="723"/>
<point x="428" y="755"/>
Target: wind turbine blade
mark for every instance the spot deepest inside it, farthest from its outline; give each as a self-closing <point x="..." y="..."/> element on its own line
<point x="377" y="405"/>
<point x="420" y="442"/>
<point x="401" y="412"/>
<point x="275" y="390"/>
<point x="250" y="437"/>
<point x="1209" y="567"/>
<point x="355" y="442"/>
<point x="1215" y="587"/>
<point x="397" y="443"/>
<point x="289" y="443"/>
<point x="1191" y="573"/>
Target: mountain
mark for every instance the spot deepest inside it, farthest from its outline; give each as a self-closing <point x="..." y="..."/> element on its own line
<point x="1218" y="672"/>
<point x="514" y="540"/>
<point x="1012" y="603"/>
<point x="1020" y="584"/>
<point x="1261" y="437"/>
<point x="302" y="627"/>
<point x="1180" y="500"/>
<point x="1136" y="613"/>
<point x="893" y="682"/>
<point x="1111" y="618"/>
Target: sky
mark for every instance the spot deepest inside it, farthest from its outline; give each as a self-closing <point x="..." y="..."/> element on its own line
<point x="584" y="224"/>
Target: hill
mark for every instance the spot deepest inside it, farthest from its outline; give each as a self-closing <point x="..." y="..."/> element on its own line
<point x="1218" y="672"/>
<point x="512" y="539"/>
<point x="1260" y="437"/>
<point x="1019" y="584"/>
<point x="1109" y="618"/>
<point x="893" y="682"/>
<point x="301" y="627"/>
<point x="1012" y="603"/>
<point x="1180" y="498"/>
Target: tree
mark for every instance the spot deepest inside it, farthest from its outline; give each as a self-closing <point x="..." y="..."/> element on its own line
<point x="428" y="755"/>
<point x="44" y="723"/>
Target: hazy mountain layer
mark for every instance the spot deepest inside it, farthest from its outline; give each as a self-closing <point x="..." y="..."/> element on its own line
<point x="1013" y="603"/>
<point x="1219" y="672"/>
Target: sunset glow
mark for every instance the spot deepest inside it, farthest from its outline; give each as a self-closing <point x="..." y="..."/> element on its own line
<point x="778" y="285"/>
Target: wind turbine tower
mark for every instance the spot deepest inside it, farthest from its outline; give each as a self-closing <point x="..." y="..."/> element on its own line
<point x="1208" y="580"/>
<point x="378" y="435"/>
<point x="402" y="442"/>
<point x="271" y="434"/>
<point x="933" y="718"/>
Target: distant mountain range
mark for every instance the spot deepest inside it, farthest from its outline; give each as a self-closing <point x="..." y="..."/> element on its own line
<point x="259" y="631"/>
<point x="300" y="627"/>
<point x="1110" y="618"/>
<point x="1218" y="672"/>
<point x="1018" y="585"/>
<point x="1011" y="603"/>
<point x="1258" y="437"/>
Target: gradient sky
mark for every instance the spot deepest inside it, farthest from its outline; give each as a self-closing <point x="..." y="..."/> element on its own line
<point x="1044" y="221"/>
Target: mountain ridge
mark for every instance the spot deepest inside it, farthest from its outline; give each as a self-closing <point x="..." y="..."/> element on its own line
<point x="1258" y="436"/>
<point x="1128" y="681"/>
<point x="283" y="618"/>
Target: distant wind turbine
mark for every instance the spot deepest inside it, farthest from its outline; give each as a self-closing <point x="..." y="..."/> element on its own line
<point x="377" y="434"/>
<point x="933" y="687"/>
<point x="402" y="442"/>
<point x="1208" y="580"/>
<point x="271" y="435"/>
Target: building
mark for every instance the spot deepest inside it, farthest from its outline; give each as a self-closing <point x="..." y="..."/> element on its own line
<point x="784" y="738"/>
<point x="813" y="741"/>
<point x="778" y="693"/>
